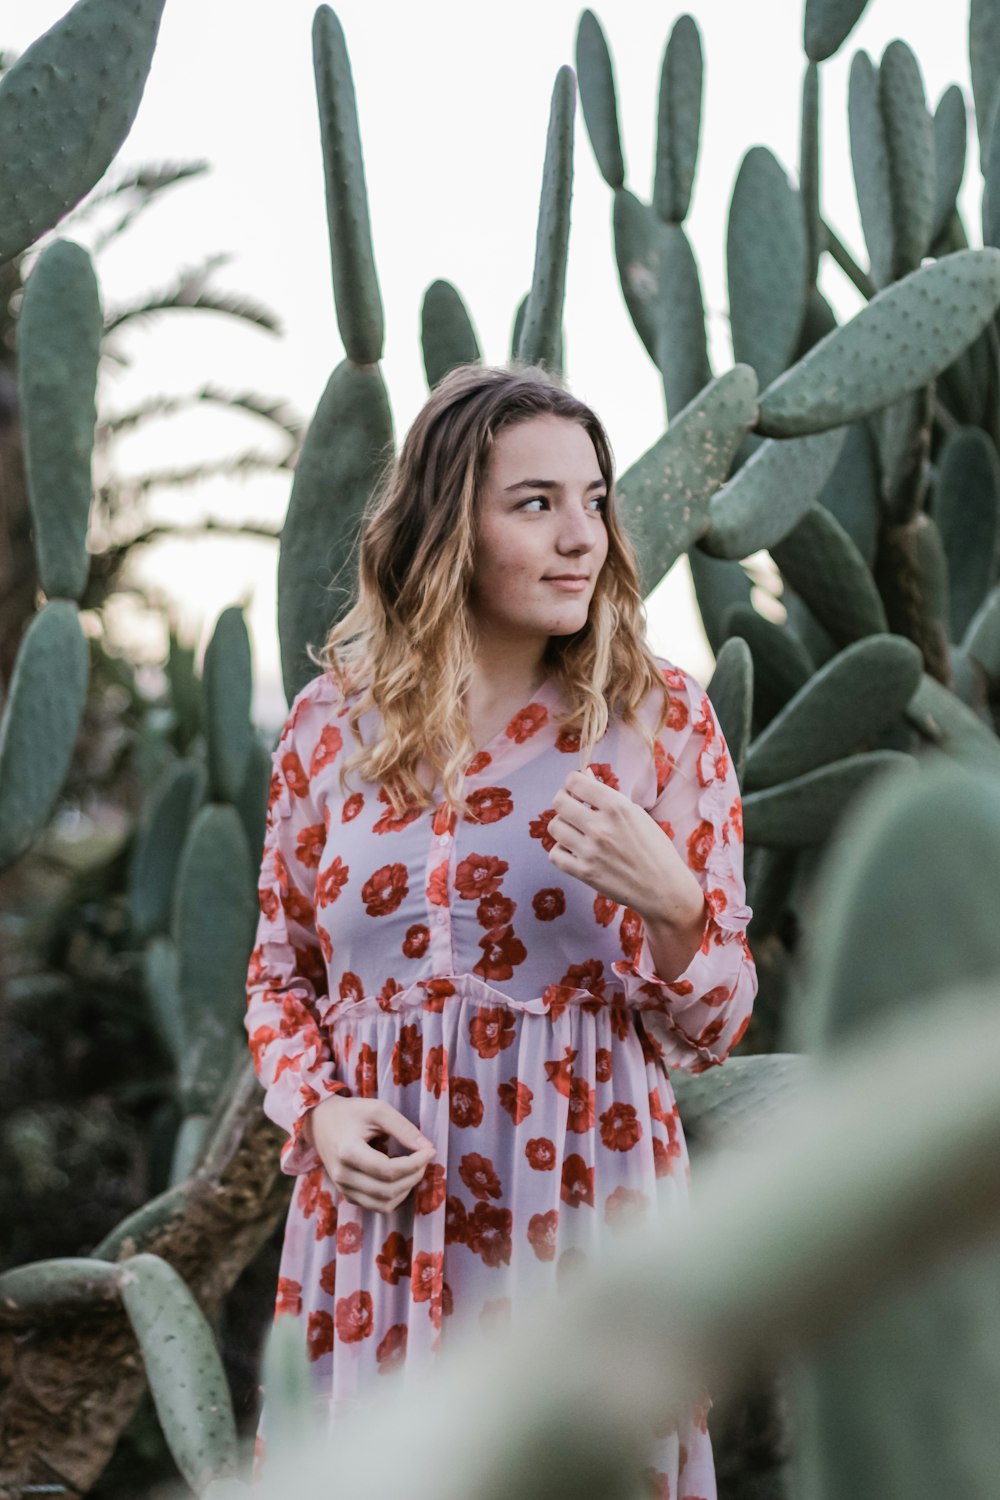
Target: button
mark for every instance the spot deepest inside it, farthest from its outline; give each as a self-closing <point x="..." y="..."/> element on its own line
<point x="440" y="919"/>
<point x="444" y="839"/>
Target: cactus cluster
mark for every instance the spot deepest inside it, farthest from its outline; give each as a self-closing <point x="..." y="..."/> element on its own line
<point x="863" y="457"/>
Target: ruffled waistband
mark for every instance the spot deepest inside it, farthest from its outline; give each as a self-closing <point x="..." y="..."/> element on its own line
<point x="444" y="989"/>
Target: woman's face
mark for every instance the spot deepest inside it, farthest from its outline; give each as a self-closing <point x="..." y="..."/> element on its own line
<point x="541" y="540"/>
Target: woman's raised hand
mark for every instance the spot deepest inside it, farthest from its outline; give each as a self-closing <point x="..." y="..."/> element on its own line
<point x="341" y="1130"/>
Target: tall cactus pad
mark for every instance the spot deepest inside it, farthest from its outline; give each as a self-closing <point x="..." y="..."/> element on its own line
<point x="228" y="681"/>
<point x="905" y="336"/>
<point x="58" y="352"/>
<point x="665" y="493"/>
<point x="159" y="841"/>
<point x="186" y="1378"/>
<point x="805" y="810"/>
<point x="769" y="494"/>
<point x="681" y="338"/>
<point x="66" y="106"/>
<point x="346" y="447"/>
<point x="678" y="130"/>
<point x="909" y="137"/>
<point x="41" y="720"/>
<point x="951" y="131"/>
<point x="447" y="337"/>
<point x="828" y="24"/>
<point x="766" y="262"/>
<point x="809" y="155"/>
<point x="984" y="67"/>
<point x="213" y="924"/>
<point x="847" y="704"/>
<point x="597" y="96"/>
<point x="541" y="334"/>
<point x="355" y="283"/>
<point x="870" y="161"/>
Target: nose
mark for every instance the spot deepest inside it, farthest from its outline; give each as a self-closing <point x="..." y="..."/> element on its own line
<point x="577" y="533"/>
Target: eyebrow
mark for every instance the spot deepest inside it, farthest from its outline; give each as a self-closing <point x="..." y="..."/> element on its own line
<point x="548" y="484"/>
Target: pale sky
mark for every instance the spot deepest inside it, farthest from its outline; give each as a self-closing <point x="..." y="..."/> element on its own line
<point x="453" y="101"/>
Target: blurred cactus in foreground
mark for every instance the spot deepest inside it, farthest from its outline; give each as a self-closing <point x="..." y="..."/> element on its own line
<point x="863" y="458"/>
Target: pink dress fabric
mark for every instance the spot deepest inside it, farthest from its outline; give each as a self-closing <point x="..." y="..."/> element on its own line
<point x="507" y="1009"/>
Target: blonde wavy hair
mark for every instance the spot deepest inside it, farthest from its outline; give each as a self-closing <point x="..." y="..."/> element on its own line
<point x="407" y="644"/>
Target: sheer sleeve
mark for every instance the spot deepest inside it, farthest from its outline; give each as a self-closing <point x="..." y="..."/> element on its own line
<point x="695" y="1019"/>
<point x="287" y="974"/>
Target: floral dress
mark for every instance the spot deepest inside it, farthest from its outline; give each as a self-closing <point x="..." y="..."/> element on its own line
<point x="507" y="1009"/>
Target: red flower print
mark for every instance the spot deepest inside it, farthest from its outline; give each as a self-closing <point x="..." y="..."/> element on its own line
<point x="456" y="1220"/>
<point x="561" y="1073"/>
<point x="656" y="1484"/>
<point x="602" y="1064"/>
<point x="699" y="844"/>
<point x="289" y="1298"/>
<point x="677" y="714"/>
<point x="326" y="943"/>
<point x="478" y="1174"/>
<point x="391" y="1351"/>
<point x="568" y="741"/>
<point x="393" y="1260"/>
<point x="353" y="805"/>
<point x="281" y="871"/>
<point x="426" y="1274"/>
<point x="417" y="940"/>
<point x="515" y="1097"/>
<point x="255" y="970"/>
<point x="620" y="1018"/>
<point x="319" y="1335"/>
<point x="663" y="1163"/>
<point x="711" y="1032"/>
<point x="273" y="791"/>
<point x="501" y="951"/>
<point x="437" y="992"/>
<point x="258" y="1041"/>
<point x="577" y="1181"/>
<point x="268" y="902"/>
<point x="581" y="1106"/>
<point x="495" y="910"/>
<point x="664" y="763"/>
<point x="585" y="976"/>
<point x="309" y="1190"/>
<point x="539" y="828"/>
<point x="571" y="1262"/>
<point x="349" y="1238"/>
<point x="366" y="1072"/>
<point x="541" y="1154"/>
<point x="328" y="1278"/>
<point x="605" y="909"/>
<point x="326" y="1216"/>
<point x="490" y="803"/>
<point x="491" y="1029"/>
<point x="625" y="1207"/>
<point x="464" y="1104"/>
<point x="736" y="818"/>
<point x="739" y="1034"/>
<point x="542" y="1230"/>
<point x="328" y="747"/>
<point x="620" y="1127"/>
<point x="548" y="903"/>
<point x="721" y="765"/>
<point x="437" y="885"/>
<point x="429" y="1192"/>
<point x="407" y="1056"/>
<point x="309" y="845"/>
<point x="331" y="881"/>
<point x="602" y="770"/>
<point x="350" y="987"/>
<point x="488" y="1234"/>
<point x="389" y="822"/>
<point x="479" y="875"/>
<point x="479" y="762"/>
<point x="630" y="932"/>
<point x="355" y="1317"/>
<point x="436" y="1070"/>
<point x="526" y="722"/>
<point x="297" y="908"/>
<point x="384" y="891"/>
<point x="556" y="997"/>
<point x="294" y="773"/>
<point x="444" y="819"/>
<point x="495" y="1313"/>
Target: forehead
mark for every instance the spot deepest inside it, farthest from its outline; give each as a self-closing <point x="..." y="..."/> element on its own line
<point x="544" y="447"/>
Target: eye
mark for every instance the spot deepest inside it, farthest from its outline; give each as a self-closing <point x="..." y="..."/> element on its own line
<point x="602" y="502"/>
<point x="540" y="499"/>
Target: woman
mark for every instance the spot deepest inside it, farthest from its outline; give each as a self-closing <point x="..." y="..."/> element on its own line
<point x="502" y="892"/>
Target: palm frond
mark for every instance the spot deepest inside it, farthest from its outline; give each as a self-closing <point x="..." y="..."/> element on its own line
<point x="189" y="291"/>
<point x="145" y="181"/>
<point x="126" y="492"/>
<point x="265" y="407"/>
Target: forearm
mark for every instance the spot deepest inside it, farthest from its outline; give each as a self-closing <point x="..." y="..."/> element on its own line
<point x="674" y="933"/>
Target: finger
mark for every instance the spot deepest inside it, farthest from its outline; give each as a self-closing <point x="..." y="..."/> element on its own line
<point x="363" y="1158"/>
<point x="565" y="833"/>
<point x="398" y="1126"/>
